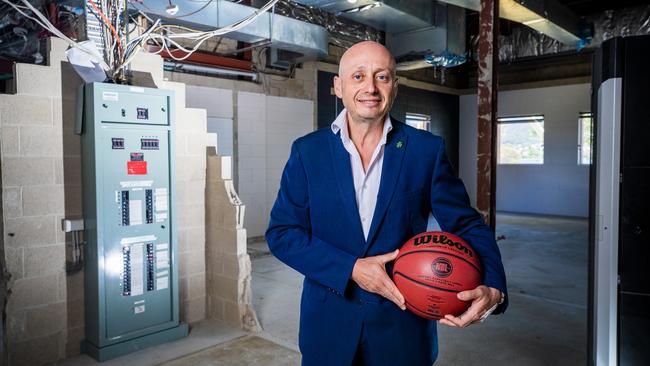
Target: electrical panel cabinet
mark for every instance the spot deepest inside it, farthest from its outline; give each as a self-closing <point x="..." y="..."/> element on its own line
<point x="619" y="326"/>
<point x="131" y="269"/>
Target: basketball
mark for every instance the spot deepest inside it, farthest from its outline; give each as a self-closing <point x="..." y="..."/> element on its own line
<point x="431" y="268"/>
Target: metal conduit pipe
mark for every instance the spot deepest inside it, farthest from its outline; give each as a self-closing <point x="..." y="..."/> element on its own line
<point x="217" y="71"/>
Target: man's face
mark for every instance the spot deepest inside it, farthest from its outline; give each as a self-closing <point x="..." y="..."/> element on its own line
<point x="366" y="82"/>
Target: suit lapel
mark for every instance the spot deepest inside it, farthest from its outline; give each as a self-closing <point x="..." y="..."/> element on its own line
<point x="343" y="171"/>
<point x="393" y="158"/>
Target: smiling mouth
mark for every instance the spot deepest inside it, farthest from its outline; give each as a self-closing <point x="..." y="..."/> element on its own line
<point x="369" y="102"/>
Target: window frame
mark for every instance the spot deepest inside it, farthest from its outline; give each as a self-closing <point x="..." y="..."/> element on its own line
<point x="581" y="117"/>
<point x="418" y="117"/>
<point x="517" y="119"/>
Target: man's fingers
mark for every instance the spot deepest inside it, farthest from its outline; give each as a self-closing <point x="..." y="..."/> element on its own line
<point x="447" y="322"/>
<point x="391" y="292"/>
<point x="469" y="294"/>
<point x="385" y="258"/>
<point x="470" y="316"/>
<point x="456" y="322"/>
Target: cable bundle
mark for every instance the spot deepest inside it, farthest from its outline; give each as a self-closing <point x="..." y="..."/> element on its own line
<point x="118" y="51"/>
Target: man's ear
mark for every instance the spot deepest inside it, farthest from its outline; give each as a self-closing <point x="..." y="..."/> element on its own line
<point x="337" y="87"/>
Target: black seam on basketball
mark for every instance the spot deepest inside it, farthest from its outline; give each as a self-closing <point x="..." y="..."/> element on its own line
<point x="413" y="307"/>
<point x="439" y="252"/>
<point x="423" y="284"/>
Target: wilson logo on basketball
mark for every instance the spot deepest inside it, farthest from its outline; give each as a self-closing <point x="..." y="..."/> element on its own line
<point x="441" y="239"/>
<point x="442" y="267"/>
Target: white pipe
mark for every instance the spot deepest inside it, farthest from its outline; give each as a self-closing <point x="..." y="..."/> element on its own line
<point x="210" y="70"/>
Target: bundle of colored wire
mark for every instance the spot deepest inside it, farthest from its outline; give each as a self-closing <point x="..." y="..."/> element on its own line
<point x="45" y="23"/>
<point x="118" y="53"/>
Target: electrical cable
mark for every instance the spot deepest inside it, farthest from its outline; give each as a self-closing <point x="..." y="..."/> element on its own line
<point x="107" y="22"/>
<point x="162" y="35"/>
<point x="45" y="23"/>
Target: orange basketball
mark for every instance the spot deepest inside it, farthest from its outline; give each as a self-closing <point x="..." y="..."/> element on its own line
<point x="431" y="268"/>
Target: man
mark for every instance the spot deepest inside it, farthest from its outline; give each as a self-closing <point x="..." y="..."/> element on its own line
<point x="350" y="196"/>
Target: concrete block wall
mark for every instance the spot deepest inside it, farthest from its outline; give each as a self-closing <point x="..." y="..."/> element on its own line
<point x="228" y="265"/>
<point x="251" y="139"/>
<point x="34" y="203"/>
<point x="218" y="105"/>
<point x="276" y="110"/>
<point x="41" y="176"/>
<point x="190" y="204"/>
<point x="267" y="125"/>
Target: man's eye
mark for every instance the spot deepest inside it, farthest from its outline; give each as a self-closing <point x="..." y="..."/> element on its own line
<point x="382" y="77"/>
<point x="357" y="76"/>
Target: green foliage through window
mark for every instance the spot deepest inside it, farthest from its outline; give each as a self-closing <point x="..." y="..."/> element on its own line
<point x="521" y="140"/>
<point x="585" y="137"/>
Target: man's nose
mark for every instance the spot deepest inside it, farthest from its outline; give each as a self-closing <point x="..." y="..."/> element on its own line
<point x="370" y="86"/>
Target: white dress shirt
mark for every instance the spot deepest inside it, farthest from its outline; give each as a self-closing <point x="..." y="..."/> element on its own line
<point x="366" y="183"/>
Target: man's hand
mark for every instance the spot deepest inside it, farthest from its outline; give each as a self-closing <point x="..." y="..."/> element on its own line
<point x="482" y="297"/>
<point x="370" y="274"/>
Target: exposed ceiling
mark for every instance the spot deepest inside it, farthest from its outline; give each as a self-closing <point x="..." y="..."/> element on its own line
<point x="585" y="7"/>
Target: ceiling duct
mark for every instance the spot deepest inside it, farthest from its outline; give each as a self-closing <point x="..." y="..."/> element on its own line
<point x="307" y="41"/>
<point x="546" y="16"/>
<point x="419" y="33"/>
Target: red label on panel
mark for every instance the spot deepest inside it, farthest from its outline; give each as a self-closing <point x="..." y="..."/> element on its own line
<point x="136" y="167"/>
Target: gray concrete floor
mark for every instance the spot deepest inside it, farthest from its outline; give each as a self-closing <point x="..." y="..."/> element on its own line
<point x="245" y="351"/>
<point x="204" y="334"/>
<point x="546" y="266"/>
<point x="546" y="323"/>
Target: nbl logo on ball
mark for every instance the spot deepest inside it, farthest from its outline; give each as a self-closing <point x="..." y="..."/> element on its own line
<point x="442" y="267"/>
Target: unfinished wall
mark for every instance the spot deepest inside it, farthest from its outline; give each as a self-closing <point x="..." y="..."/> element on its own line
<point x="33" y="204"/>
<point x="228" y="264"/>
<point x="42" y="184"/>
<point x="266" y="117"/>
<point x="218" y="105"/>
<point x="558" y="187"/>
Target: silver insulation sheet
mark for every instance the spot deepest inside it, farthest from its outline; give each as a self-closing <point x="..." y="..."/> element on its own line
<point x="343" y="32"/>
<point x="526" y="42"/>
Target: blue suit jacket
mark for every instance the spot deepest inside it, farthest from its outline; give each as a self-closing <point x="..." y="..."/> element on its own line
<point x="315" y="228"/>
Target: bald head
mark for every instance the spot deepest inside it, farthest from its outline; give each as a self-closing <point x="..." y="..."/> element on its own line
<point x="364" y="50"/>
<point x="366" y="82"/>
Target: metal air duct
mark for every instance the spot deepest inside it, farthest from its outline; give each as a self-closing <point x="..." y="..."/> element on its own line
<point x="419" y="33"/>
<point x="281" y="32"/>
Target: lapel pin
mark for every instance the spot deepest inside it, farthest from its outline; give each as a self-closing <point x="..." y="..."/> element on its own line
<point x="399" y="144"/>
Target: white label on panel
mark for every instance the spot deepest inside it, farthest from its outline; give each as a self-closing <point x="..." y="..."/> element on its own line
<point x="161" y="216"/>
<point x="162" y="263"/>
<point x="161" y="199"/>
<point x="137" y="269"/>
<point x="136" y="183"/>
<point x="138" y="309"/>
<point x="162" y="255"/>
<point x="162" y="283"/>
<point x="162" y="246"/>
<point x="110" y="96"/>
<point x="162" y="273"/>
<point x="135" y="212"/>
<point x="137" y="239"/>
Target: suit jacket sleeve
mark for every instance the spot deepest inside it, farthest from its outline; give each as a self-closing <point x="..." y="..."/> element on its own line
<point x="289" y="234"/>
<point x="451" y="208"/>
